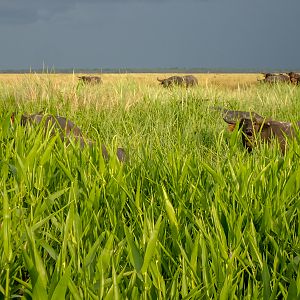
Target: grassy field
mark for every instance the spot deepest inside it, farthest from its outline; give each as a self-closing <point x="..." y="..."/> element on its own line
<point x="190" y="215"/>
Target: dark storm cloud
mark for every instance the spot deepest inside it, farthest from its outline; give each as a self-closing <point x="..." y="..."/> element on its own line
<point x="26" y="12"/>
<point x="18" y="14"/>
<point x="30" y="11"/>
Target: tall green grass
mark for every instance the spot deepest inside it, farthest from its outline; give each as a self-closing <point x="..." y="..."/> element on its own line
<point x="191" y="215"/>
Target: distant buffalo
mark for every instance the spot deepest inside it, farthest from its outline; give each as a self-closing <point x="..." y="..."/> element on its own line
<point x="294" y="77"/>
<point x="255" y="127"/>
<point x="187" y="80"/>
<point x="275" y="78"/>
<point x="90" y="79"/>
<point x="66" y="129"/>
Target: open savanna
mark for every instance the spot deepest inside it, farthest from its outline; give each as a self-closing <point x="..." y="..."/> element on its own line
<point x="190" y="215"/>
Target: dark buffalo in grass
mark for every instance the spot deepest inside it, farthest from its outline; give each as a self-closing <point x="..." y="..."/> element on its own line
<point x="90" y="79"/>
<point x="256" y="128"/>
<point x="187" y="81"/>
<point x="275" y="78"/>
<point x="66" y="130"/>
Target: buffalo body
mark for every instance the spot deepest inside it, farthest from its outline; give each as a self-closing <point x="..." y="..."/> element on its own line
<point x="66" y="130"/>
<point x="90" y="79"/>
<point x="190" y="80"/>
<point x="275" y="78"/>
<point x="187" y="80"/>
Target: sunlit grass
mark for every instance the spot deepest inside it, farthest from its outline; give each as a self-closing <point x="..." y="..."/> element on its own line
<point x="191" y="215"/>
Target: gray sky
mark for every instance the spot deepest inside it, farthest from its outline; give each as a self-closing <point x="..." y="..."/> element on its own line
<point x="149" y="34"/>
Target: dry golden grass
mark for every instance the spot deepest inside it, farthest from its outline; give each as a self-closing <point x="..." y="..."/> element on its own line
<point x="223" y="80"/>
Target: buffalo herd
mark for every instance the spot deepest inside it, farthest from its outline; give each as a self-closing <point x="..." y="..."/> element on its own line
<point x="253" y="126"/>
<point x="190" y="80"/>
<point x="186" y="80"/>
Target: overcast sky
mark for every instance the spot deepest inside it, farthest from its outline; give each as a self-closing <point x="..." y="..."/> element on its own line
<point x="149" y="34"/>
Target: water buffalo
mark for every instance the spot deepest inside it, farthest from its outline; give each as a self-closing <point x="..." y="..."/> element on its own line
<point x="90" y="79"/>
<point x="294" y="77"/>
<point x="259" y="128"/>
<point x="275" y="78"/>
<point x="66" y="129"/>
<point x="187" y="80"/>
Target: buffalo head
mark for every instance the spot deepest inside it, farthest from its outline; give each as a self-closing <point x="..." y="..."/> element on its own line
<point x="252" y="129"/>
<point x="251" y="124"/>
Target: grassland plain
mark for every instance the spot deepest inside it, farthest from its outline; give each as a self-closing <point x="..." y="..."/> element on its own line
<point x="191" y="215"/>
